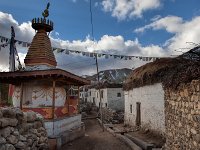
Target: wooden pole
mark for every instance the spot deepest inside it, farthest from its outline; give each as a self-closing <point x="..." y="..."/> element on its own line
<point x="68" y="99"/>
<point x="53" y="102"/>
<point x="21" y="96"/>
<point x="101" y="113"/>
<point x="0" y="93"/>
<point x="78" y="99"/>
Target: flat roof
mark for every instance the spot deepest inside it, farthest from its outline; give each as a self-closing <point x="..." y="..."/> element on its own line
<point x="59" y="75"/>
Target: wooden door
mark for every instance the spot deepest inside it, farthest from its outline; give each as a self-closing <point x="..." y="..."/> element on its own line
<point x="138" y="113"/>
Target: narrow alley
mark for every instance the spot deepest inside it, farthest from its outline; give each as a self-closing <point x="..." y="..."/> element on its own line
<point x="96" y="139"/>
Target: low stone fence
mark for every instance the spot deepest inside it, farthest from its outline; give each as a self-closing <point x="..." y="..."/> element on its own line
<point x="183" y="117"/>
<point x="23" y="131"/>
<point x="112" y="116"/>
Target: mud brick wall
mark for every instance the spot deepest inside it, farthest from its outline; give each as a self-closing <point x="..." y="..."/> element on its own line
<point x="21" y="131"/>
<point x="182" y="110"/>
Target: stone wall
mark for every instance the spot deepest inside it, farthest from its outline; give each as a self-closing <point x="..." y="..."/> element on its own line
<point x="112" y="116"/>
<point x="22" y="131"/>
<point x="183" y="117"/>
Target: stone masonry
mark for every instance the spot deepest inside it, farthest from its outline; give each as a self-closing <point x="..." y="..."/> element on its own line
<point x="183" y="117"/>
<point x="22" y="131"/>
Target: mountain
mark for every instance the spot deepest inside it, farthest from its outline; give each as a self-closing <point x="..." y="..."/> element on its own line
<point x="111" y="76"/>
<point x="193" y="54"/>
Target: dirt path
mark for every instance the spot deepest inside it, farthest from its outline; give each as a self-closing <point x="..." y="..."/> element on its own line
<point x="96" y="139"/>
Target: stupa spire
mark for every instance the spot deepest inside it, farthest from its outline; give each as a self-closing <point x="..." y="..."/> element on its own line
<point x="40" y="54"/>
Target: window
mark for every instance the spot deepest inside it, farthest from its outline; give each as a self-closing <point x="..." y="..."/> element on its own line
<point x="97" y="94"/>
<point x="106" y="104"/>
<point x="90" y="93"/>
<point x="131" y="109"/>
<point x="118" y="94"/>
<point x="85" y="100"/>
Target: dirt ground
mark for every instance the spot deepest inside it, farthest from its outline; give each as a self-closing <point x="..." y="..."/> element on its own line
<point x="96" y="139"/>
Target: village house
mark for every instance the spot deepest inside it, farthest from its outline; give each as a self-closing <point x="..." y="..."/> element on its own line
<point x="163" y="96"/>
<point x="112" y="96"/>
<point x="144" y="103"/>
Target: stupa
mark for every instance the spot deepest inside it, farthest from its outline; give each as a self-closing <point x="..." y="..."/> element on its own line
<point x="42" y="87"/>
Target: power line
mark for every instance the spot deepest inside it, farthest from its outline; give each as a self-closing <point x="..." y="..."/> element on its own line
<point x="91" y="20"/>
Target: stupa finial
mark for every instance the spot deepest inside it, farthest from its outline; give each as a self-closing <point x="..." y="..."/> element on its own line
<point x="45" y="14"/>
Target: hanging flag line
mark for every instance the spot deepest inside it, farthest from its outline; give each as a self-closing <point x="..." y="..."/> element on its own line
<point x="88" y="54"/>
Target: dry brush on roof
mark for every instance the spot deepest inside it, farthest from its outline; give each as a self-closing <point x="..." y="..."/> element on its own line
<point x="170" y="71"/>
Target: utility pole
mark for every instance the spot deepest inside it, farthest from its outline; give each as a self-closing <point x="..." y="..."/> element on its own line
<point x="12" y="51"/>
<point x="99" y="89"/>
<point x="101" y="113"/>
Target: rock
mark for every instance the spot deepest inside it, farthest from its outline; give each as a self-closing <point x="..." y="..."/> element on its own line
<point x="4" y="122"/>
<point x="10" y="147"/>
<point x="31" y="116"/>
<point x="22" y="131"/>
<point x="20" y="116"/>
<point x="12" y="139"/>
<point x="8" y="113"/>
<point x="34" y="144"/>
<point x="197" y="138"/>
<point x="32" y="136"/>
<point x="37" y="124"/>
<point x="16" y="133"/>
<point x="42" y="140"/>
<point x="22" y="138"/>
<point x="34" y="131"/>
<point x="39" y="117"/>
<point x="193" y="131"/>
<point x="2" y="140"/>
<point x="29" y="142"/>
<point x="19" y="113"/>
<point x="5" y="132"/>
<point x="43" y="146"/>
<point x="20" y="145"/>
<point x="2" y="147"/>
<point x="41" y="129"/>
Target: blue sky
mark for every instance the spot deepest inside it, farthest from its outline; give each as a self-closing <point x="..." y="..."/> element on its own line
<point x="131" y="27"/>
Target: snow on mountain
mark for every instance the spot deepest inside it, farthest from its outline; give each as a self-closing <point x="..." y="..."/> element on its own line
<point x="111" y="76"/>
<point x="193" y="54"/>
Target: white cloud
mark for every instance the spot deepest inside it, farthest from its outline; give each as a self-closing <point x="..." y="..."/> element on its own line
<point x="184" y="31"/>
<point x="122" y="9"/>
<point x="170" y="24"/>
<point x="76" y="63"/>
<point x="23" y="31"/>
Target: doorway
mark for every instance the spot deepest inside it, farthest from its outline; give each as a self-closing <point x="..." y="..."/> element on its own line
<point x="138" y="114"/>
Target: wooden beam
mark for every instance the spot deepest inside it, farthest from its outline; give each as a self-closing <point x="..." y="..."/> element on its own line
<point x="78" y="100"/>
<point x="53" y="99"/>
<point x="53" y="103"/>
<point x="21" y="96"/>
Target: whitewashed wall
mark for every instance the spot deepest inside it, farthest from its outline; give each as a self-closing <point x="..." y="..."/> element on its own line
<point x="115" y="102"/>
<point x="152" y="106"/>
<point x="54" y="128"/>
<point x="36" y="94"/>
<point x="104" y="100"/>
<point x="92" y="94"/>
<point x="110" y="97"/>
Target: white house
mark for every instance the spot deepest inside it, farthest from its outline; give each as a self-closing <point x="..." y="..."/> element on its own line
<point x="144" y="99"/>
<point x="112" y="96"/>
<point x="145" y="106"/>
